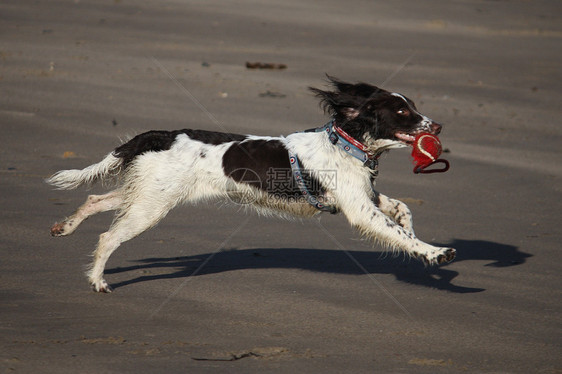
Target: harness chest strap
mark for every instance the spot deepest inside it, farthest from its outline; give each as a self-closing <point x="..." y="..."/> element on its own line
<point x="299" y="178"/>
<point x="339" y="138"/>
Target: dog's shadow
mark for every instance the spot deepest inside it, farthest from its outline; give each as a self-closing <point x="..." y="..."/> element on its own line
<point x="328" y="260"/>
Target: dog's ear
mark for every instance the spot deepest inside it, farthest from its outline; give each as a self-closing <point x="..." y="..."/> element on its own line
<point x="350" y="113"/>
<point x="348" y="99"/>
<point x="338" y="104"/>
<point x="360" y="89"/>
<point x="339" y="85"/>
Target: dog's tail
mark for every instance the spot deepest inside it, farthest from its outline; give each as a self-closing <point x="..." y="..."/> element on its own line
<point x="117" y="161"/>
<point x="106" y="169"/>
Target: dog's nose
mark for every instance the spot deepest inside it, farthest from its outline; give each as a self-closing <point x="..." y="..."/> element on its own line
<point x="435" y="128"/>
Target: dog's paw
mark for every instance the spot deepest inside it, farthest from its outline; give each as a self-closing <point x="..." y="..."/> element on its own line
<point x="58" y="229"/>
<point x="64" y="228"/>
<point x="101" y="286"/>
<point x="448" y="256"/>
<point x="438" y="256"/>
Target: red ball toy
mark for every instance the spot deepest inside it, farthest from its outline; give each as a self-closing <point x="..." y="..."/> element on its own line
<point x="426" y="151"/>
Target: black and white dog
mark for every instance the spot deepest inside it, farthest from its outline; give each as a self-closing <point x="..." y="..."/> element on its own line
<point x="331" y="168"/>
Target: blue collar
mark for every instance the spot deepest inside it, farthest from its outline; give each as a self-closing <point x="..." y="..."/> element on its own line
<point x="351" y="146"/>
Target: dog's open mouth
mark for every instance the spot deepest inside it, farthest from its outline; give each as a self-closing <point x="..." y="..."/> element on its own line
<point x="405" y="138"/>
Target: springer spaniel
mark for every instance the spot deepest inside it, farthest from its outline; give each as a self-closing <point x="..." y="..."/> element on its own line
<point x="329" y="169"/>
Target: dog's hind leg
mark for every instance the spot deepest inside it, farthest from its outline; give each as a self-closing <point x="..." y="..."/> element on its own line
<point x="94" y="204"/>
<point x="132" y="221"/>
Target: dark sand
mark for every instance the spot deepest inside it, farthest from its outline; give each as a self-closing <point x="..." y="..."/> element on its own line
<point x="278" y="296"/>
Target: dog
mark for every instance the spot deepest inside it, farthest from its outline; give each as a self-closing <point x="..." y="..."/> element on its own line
<point x="329" y="169"/>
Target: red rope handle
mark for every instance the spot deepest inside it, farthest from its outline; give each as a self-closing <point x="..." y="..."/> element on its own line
<point x="423" y="170"/>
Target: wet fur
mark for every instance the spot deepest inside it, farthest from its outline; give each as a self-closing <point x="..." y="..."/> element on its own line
<point x="157" y="170"/>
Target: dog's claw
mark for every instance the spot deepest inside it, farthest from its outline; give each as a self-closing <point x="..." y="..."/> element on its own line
<point x="448" y="256"/>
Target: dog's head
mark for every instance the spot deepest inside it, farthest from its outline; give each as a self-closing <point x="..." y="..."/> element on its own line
<point x="378" y="118"/>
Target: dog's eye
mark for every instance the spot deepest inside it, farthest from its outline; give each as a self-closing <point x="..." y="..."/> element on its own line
<point x="403" y="112"/>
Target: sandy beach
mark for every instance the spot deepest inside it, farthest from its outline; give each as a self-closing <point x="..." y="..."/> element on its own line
<point x="213" y="289"/>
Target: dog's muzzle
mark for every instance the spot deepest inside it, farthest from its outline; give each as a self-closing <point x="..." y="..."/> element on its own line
<point x="435" y="128"/>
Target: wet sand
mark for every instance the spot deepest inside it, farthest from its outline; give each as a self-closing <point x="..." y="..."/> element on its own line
<point x="214" y="290"/>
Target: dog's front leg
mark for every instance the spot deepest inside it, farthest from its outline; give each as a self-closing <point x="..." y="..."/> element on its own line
<point x="372" y="222"/>
<point x="395" y="210"/>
